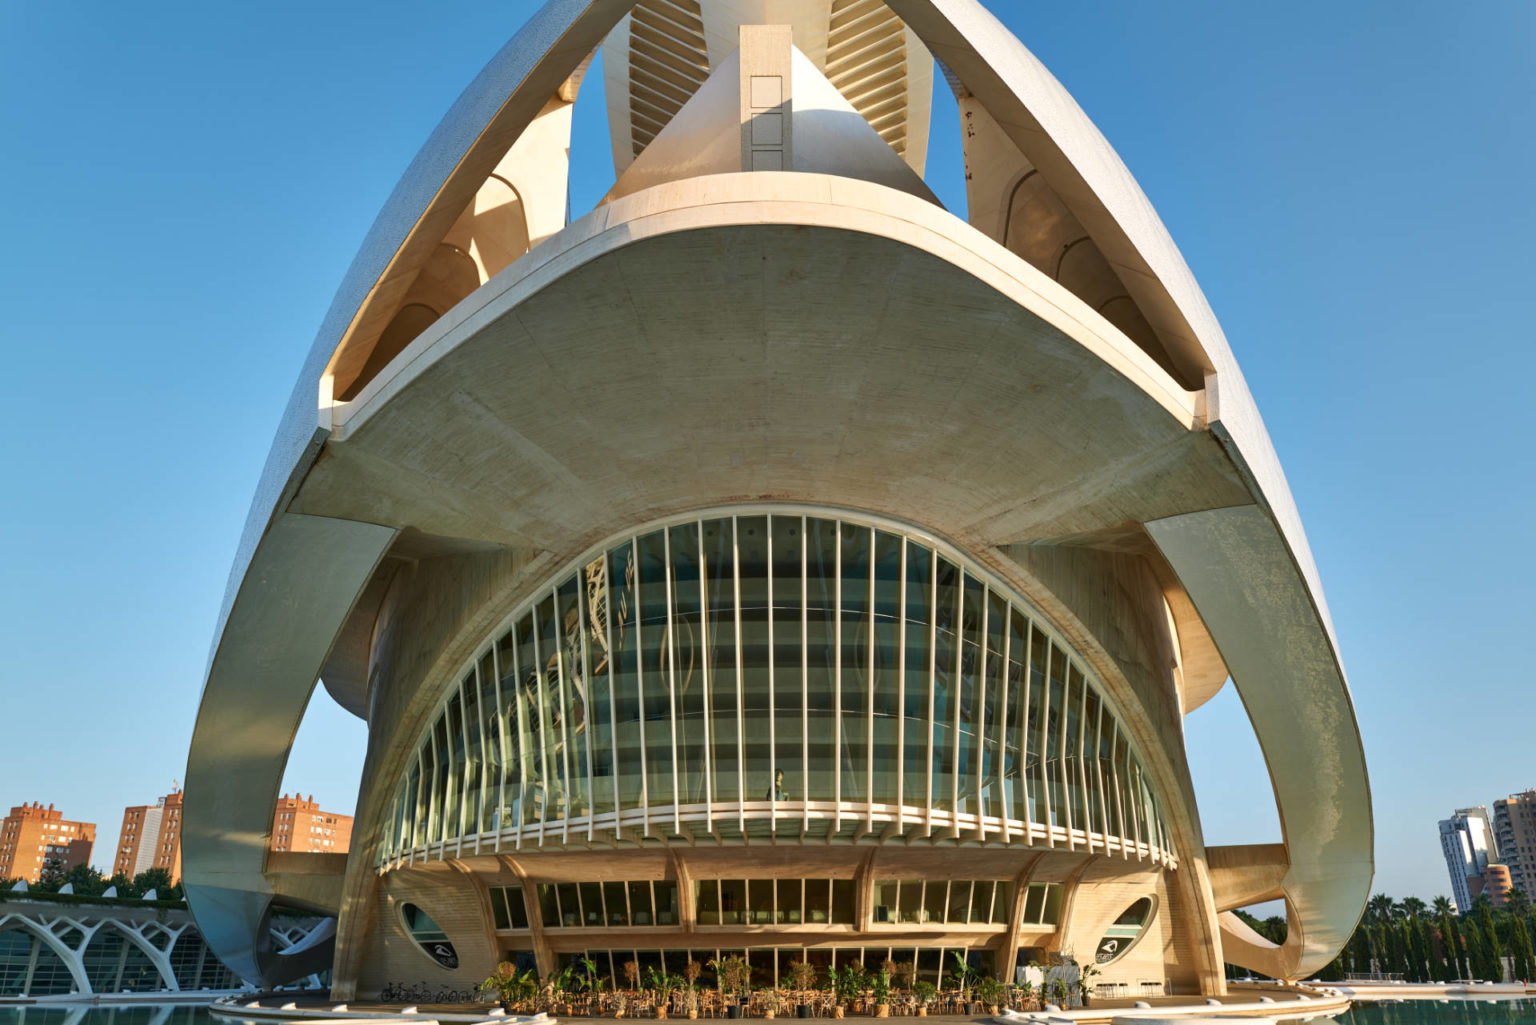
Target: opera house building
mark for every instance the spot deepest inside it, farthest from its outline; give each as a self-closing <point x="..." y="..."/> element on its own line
<point x="770" y="559"/>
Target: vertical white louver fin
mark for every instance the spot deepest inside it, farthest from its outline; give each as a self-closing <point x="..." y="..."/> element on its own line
<point x="667" y="64"/>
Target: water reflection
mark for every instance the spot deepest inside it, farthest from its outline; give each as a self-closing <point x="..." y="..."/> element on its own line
<point x="1449" y="1012"/>
<point x="86" y="1014"/>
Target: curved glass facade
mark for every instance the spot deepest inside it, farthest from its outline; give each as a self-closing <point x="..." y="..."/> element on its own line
<point x="746" y="675"/>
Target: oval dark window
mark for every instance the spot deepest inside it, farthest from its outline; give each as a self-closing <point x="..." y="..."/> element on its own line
<point x="429" y="936"/>
<point x="1119" y="938"/>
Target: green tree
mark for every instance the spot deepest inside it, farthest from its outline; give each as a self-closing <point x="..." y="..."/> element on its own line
<point x="157" y="879"/>
<point x="1493" y="951"/>
<point x="1380" y="907"/>
<point x="1520" y="948"/>
<point x="1517" y="903"/>
<point x="86" y="880"/>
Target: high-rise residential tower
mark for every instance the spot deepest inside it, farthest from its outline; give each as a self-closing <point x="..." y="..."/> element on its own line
<point x="1514" y="826"/>
<point x="301" y="826"/>
<point x="34" y="839"/>
<point x="770" y="559"/>
<point x="1468" y="843"/>
<point x="151" y="838"/>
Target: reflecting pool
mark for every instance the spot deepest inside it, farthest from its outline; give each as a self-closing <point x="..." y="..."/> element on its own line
<point x="90" y="1014"/>
<point x="1436" y="1012"/>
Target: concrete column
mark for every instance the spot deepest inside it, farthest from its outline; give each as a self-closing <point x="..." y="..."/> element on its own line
<point x="766" y="133"/>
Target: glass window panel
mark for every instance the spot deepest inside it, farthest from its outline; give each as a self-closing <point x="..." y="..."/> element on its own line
<point x="574" y="692"/>
<point x="760" y="901"/>
<point x="591" y="904"/>
<point x="517" y="911"/>
<point x="473" y="766"/>
<point x="570" y="904"/>
<point x="499" y="908"/>
<point x="530" y="721"/>
<point x="549" y="905"/>
<point x="655" y="680"/>
<point x="853" y="763"/>
<point x="842" y="901"/>
<point x="551" y="712"/>
<point x="720" y="657"/>
<point x="787" y="671"/>
<point x="788" y="901"/>
<point x="666" y="902"/>
<point x="706" y="901"/>
<point x="822" y="570"/>
<point x="945" y="684"/>
<point x="594" y="581"/>
<point x="491" y="755"/>
<point x="1052" y="913"/>
<point x="640" y="912"/>
<point x="981" y="901"/>
<point x="910" y="901"/>
<point x="440" y="784"/>
<point x="683" y="665"/>
<point x="733" y="901"/>
<point x="886" y="900"/>
<point x="1034" y="903"/>
<point x="614" y="901"/>
<point x="627" y="725"/>
<point x="817" y="901"/>
<point x="1002" y="903"/>
<point x="452" y="824"/>
<point x="959" y="901"/>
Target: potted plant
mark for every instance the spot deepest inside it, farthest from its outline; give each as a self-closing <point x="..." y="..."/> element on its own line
<point x="880" y="992"/>
<point x="924" y="992"/>
<point x="691" y="972"/>
<point x="964" y="975"/>
<point x="509" y="986"/>
<point x="733" y="974"/>
<point x="1026" y="992"/>
<point x="663" y="985"/>
<point x="802" y="977"/>
<point x="990" y="992"/>
<point x="848" y="984"/>
<point x="904" y="973"/>
<point x="1084" y="984"/>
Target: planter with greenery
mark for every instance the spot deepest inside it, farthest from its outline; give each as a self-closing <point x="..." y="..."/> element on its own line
<point x="923" y="992"/>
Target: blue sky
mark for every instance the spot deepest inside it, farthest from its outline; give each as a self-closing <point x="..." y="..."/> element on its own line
<point x="185" y="184"/>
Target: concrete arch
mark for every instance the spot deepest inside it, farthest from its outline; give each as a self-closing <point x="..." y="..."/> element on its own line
<point x="71" y="958"/>
<point x="157" y="958"/>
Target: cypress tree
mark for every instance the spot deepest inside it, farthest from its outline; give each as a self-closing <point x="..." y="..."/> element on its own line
<point x="1493" y="950"/>
<point x="1457" y="949"/>
<point x="1520" y="947"/>
<point x="1476" y="965"/>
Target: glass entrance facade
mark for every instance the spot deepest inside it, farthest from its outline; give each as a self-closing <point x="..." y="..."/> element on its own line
<point x="747" y="674"/>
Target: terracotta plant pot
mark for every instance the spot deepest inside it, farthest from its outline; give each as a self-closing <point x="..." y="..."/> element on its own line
<point x="661" y="1010"/>
<point x="922" y="1012"/>
<point x="837" y="1011"/>
<point x="882" y="1010"/>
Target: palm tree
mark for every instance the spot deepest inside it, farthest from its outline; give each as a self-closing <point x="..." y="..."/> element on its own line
<point x="1517" y="903"/>
<point x="1381" y="907"/>
<point x="1442" y="906"/>
<point x="1412" y="907"/>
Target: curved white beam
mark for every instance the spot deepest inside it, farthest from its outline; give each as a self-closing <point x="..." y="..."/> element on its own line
<point x="1331" y="842"/>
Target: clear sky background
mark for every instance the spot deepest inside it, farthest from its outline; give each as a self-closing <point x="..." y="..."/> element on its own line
<point x="183" y="185"/>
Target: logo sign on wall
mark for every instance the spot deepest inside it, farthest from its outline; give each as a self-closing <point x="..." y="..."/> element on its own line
<point x="1109" y="949"/>
<point x="443" y="953"/>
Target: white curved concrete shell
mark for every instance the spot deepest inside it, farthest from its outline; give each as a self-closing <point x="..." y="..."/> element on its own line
<point x="771" y="316"/>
